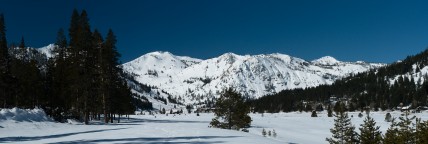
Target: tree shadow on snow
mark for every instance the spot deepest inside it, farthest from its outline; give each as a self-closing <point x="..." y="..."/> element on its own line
<point x="171" y="121"/>
<point x="34" y="138"/>
<point x="154" y="140"/>
<point x="140" y="121"/>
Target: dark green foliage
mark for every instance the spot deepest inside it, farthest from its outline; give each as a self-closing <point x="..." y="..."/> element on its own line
<point x="401" y="132"/>
<point x="388" y="117"/>
<point x="6" y="78"/>
<point x="369" y="132"/>
<point x="320" y="107"/>
<point x="142" y="104"/>
<point x="421" y="132"/>
<point x="314" y="114"/>
<point x="264" y="132"/>
<point x="22" y="44"/>
<point x="232" y="111"/>
<point x="329" y="113"/>
<point x="339" y="107"/>
<point x="406" y="129"/>
<point x="189" y="108"/>
<point x="82" y="81"/>
<point x="163" y="111"/>
<point x="57" y="80"/>
<point x="308" y="108"/>
<point x="343" y="130"/>
<point x="392" y="134"/>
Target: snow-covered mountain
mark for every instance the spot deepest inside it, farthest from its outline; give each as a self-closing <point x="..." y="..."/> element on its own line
<point x="47" y="50"/>
<point x="251" y="75"/>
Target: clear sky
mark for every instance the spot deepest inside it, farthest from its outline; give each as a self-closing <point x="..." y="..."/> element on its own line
<point x="349" y="30"/>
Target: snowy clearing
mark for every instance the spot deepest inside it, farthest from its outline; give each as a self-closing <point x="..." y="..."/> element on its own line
<point x="290" y="128"/>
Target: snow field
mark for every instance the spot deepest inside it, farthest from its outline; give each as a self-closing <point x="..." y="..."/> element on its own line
<point x="294" y="127"/>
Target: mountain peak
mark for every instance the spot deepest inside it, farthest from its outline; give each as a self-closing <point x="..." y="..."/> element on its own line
<point x="160" y="53"/>
<point x="326" y="60"/>
<point x="251" y="75"/>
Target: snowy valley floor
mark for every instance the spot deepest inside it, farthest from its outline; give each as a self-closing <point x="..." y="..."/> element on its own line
<point x="290" y="128"/>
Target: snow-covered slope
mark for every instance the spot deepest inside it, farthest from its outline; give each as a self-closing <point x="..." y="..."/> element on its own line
<point x="418" y="74"/>
<point x="47" y="50"/>
<point x="253" y="76"/>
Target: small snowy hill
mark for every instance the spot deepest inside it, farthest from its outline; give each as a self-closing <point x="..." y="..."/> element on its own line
<point x="47" y="50"/>
<point x="253" y="76"/>
<point x="327" y="60"/>
<point x="30" y="115"/>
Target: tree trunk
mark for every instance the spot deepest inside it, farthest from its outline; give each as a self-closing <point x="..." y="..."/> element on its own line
<point x="104" y="109"/>
<point x="86" y="117"/>
<point x="111" y="117"/>
<point x="118" y="118"/>
<point x="230" y="118"/>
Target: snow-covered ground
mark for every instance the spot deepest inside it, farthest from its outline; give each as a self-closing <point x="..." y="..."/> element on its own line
<point x="290" y="128"/>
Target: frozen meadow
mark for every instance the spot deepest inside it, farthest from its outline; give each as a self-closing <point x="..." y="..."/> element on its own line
<point x="32" y="126"/>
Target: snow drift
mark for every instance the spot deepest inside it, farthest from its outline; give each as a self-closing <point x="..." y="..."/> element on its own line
<point x="17" y="114"/>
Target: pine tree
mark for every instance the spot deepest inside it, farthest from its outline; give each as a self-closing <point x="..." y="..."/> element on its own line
<point x="57" y="80"/>
<point x="421" y="132"/>
<point x="339" y="107"/>
<point x="274" y="133"/>
<point x="370" y="133"/>
<point x="264" y="132"/>
<point x="22" y="44"/>
<point x="230" y="108"/>
<point x="388" y="117"/>
<point x="314" y="114"/>
<point x="391" y="135"/>
<point x="5" y="75"/>
<point x="406" y="129"/>
<point x="22" y="51"/>
<point x="113" y="78"/>
<point x="343" y="131"/>
<point x="401" y="132"/>
<point x="329" y="113"/>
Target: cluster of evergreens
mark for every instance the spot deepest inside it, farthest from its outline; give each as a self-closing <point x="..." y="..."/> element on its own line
<point x="231" y="112"/>
<point x="82" y="81"/>
<point x="377" y="88"/>
<point x="407" y="130"/>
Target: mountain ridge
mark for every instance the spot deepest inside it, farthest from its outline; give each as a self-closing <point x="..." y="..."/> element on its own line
<point x="252" y="75"/>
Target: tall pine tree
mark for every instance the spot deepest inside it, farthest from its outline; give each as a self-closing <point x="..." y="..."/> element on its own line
<point x="5" y="76"/>
<point x="421" y="132"/>
<point x="370" y="133"/>
<point x="343" y="131"/>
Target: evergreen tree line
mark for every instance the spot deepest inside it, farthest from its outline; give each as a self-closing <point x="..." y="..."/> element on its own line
<point x="408" y="130"/>
<point x="83" y="80"/>
<point x="373" y="88"/>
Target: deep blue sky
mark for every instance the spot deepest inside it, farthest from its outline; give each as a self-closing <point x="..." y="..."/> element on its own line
<point x="349" y="30"/>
